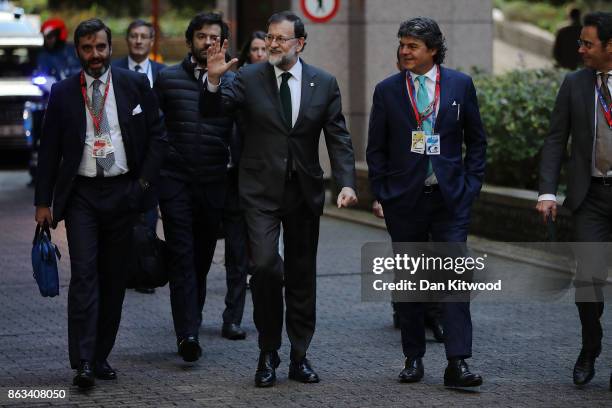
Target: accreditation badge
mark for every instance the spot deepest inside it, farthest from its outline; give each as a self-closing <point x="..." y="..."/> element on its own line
<point x="101" y="148"/>
<point x="418" y="142"/>
<point x="432" y="144"/>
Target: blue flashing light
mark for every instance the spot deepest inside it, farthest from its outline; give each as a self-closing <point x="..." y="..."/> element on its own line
<point x="39" y="80"/>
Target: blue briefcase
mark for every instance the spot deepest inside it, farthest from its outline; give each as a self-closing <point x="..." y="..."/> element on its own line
<point x="44" y="262"/>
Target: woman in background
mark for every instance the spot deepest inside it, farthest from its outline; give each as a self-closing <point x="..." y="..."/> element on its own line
<point x="254" y="50"/>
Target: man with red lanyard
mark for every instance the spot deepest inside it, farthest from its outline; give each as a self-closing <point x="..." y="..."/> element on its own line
<point x="582" y="109"/>
<point x="102" y="145"/>
<point x="419" y="122"/>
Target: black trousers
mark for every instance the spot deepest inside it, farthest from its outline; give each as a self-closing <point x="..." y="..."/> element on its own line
<point x="236" y="252"/>
<point x="430" y="219"/>
<point x="99" y="230"/>
<point x="191" y="216"/>
<point x="297" y="273"/>
<point x="592" y="223"/>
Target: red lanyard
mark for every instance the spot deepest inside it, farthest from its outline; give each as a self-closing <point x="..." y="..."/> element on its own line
<point x="606" y="109"/>
<point x="97" y="119"/>
<point x="411" y="94"/>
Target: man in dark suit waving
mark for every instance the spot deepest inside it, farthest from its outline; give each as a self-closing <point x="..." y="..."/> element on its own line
<point x="285" y="105"/>
<point x="102" y="146"/>
<point x="582" y="109"/>
<point x="419" y="122"/>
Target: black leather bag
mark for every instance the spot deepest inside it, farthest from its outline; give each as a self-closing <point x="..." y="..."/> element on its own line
<point x="150" y="268"/>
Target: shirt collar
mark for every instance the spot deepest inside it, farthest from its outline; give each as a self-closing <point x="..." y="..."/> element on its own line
<point x="144" y="65"/>
<point x="295" y="71"/>
<point x="431" y="74"/>
<point x="89" y="79"/>
<point x="196" y="68"/>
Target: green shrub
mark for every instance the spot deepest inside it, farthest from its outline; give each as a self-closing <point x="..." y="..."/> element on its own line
<point x="516" y="109"/>
<point x="549" y="15"/>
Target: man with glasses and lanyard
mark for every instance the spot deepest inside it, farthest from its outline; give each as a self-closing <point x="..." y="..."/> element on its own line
<point x="140" y="37"/>
<point x="419" y="122"/>
<point x="582" y="109"/>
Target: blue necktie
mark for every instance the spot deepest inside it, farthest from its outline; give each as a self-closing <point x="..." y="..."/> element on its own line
<point x="422" y="104"/>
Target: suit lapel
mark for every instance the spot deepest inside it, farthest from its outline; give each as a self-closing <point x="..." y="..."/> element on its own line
<point x="588" y="98"/>
<point x="445" y="96"/>
<point x="122" y="103"/>
<point x="271" y="87"/>
<point x="308" y="78"/>
<point x="79" y="110"/>
<point x="405" y="103"/>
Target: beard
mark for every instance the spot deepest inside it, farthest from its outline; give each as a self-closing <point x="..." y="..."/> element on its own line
<point x="199" y="55"/>
<point x="278" y="60"/>
<point x="95" y="72"/>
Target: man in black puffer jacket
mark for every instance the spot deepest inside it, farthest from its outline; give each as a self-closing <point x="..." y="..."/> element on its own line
<point x="193" y="183"/>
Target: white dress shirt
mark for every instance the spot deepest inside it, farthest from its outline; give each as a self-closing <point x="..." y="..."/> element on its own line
<point x="594" y="171"/>
<point x="295" y="87"/>
<point x="145" y="68"/>
<point x="430" y="85"/>
<point x="87" y="167"/>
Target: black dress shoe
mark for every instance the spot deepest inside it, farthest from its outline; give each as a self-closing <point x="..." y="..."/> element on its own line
<point x="265" y="376"/>
<point x="147" y="291"/>
<point x="584" y="369"/>
<point x="458" y="375"/>
<point x="233" y="331"/>
<point x="84" y="377"/>
<point x="437" y="329"/>
<point x="189" y="348"/>
<point x="302" y="371"/>
<point x="104" y="371"/>
<point x="413" y="370"/>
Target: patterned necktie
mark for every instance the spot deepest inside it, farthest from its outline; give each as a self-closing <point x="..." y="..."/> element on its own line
<point x="604" y="88"/>
<point x="285" y="96"/>
<point x="137" y="68"/>
<point x="603" y="133"/>
<point x="102" y="163"/>
<point x="422" y="104"/>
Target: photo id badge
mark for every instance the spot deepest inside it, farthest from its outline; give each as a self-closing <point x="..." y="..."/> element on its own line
<point x="432" y="144"/>
<point x="418" y="142"/>
<point x="99" y="148"/>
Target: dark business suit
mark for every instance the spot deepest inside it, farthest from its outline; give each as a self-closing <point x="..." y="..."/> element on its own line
<point x="281" y="181"/>
<point x="98" y="211"/>
<point x="156" y="67"/>
<point x="590" y="203"/>
<point x="236" y="240"/>
<point x="414" y="213"/>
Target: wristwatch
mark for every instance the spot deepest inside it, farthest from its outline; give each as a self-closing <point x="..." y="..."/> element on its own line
<point x="144" y="184"/>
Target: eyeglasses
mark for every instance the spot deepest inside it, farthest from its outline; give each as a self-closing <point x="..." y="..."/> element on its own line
<point x="279" y="39"/>
<point x="586" y="44"/>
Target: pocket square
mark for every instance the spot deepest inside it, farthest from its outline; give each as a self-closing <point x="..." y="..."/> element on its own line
<point x="136" y="110"/>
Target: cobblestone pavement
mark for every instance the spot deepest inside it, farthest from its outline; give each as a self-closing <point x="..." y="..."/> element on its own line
<point x="524" y="351"/>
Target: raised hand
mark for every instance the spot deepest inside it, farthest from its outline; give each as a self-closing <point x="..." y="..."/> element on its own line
<point x="215" y="61"/>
